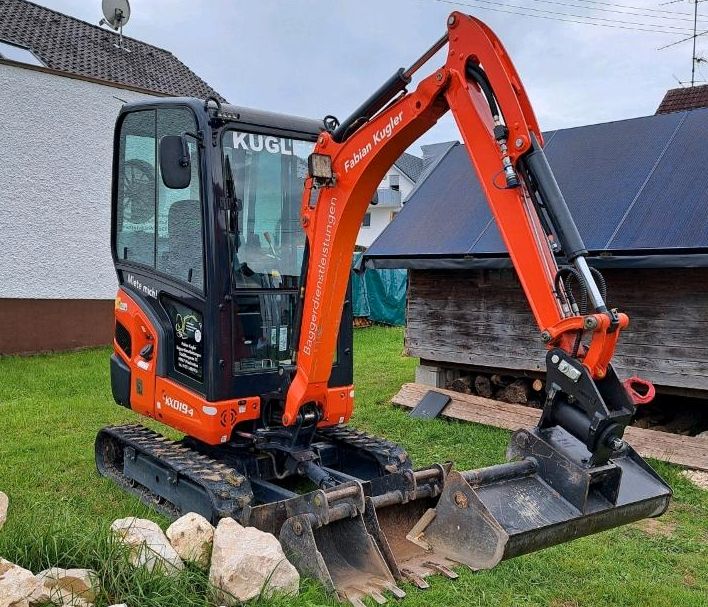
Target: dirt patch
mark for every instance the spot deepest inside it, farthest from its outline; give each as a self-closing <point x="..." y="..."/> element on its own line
<point x="656" y="527"/>
<point x="698" y="478"/>
<point x="689" y="580"/>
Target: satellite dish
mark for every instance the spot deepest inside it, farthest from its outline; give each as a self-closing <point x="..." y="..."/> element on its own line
<point x="115" y="13"/>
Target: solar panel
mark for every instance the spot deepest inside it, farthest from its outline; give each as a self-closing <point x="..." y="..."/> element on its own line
<point x="631" y="185"/>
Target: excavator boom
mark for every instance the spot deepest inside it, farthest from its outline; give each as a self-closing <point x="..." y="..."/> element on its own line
<point x="480" y="87"/>
<point x="573" y="474"/>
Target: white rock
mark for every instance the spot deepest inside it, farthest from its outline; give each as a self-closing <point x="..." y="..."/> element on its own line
<point x="192" y="536"/>
<point x="4" y="503"/>
<point x="148" y="545"/>
<point x="247" y="562"/>
<point x="697" y="477"/>
<point x="70" y="587"/>
<point x="18" y="586"/>
<point x="703" y="434"/>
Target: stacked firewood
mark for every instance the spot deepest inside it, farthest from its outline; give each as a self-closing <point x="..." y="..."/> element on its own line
<point x="667" y="413"/>
<point x="361" y="322"/>
<point x="518" y="390"/>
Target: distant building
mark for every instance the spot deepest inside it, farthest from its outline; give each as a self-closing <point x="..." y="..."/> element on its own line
<point x="62" y="83"/>
<point x="684" y="98"/>
<point x="390" y="196"/>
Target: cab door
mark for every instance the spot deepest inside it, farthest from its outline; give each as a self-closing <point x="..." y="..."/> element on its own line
<point x="158" y="249"/>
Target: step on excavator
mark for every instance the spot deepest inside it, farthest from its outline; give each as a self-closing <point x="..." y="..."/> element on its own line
<point x="232" y="237"/>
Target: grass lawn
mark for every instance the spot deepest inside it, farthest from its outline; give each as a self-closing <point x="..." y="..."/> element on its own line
<point x="52" y="406"/>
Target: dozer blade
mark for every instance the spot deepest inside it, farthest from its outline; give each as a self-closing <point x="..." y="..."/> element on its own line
<point x="328" y="541"/>
<point x="547" y="496"/>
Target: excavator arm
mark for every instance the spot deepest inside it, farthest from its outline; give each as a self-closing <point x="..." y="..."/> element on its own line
<point x="482" y="89"/>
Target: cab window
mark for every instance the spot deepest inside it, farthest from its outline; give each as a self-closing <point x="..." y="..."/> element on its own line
<point x="264" y="176"/>
<point x="157" y="226"/>
<point x="267" y="175"/>
<point x="135" y="208"/>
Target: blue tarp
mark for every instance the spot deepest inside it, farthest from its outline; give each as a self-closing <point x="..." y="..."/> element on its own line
<point x="380" y="295"/>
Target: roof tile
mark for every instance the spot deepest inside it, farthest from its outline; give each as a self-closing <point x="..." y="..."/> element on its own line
<point x="411" y="165"/>
<point x="70" y="45"/>
<point x="685" y="98"/>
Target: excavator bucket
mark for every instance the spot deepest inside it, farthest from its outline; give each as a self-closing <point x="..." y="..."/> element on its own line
<point x="415" y="524"/>
<point x="547" y="495"/>
<point x="390" y="517"/>
<point x="324" y="535"/>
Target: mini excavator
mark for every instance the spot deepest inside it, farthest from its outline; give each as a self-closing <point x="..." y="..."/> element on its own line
<point x="232" y="237"/>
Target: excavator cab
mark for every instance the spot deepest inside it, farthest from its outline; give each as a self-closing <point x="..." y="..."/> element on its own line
<point x="232" y="237"/>
<point x="209" y="251"/>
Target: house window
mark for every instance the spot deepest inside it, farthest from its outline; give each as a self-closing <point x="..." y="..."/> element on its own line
<point x="20" y="54"/>
<point x="367" y="221"/>
<point x="393" y="182"/>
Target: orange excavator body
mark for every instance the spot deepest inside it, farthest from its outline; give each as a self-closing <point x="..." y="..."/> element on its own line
<point x="233" y="326"/>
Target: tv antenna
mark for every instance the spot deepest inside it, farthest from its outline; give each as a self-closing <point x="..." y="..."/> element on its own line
<point x="116" y="14"/>
<point x="695" y="58"/>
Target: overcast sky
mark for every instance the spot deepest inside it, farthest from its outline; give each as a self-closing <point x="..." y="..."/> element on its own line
<point x="317" y="57"/>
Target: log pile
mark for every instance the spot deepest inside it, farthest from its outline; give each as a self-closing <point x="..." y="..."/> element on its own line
<point x="361" y="322"/>
<point x="505" y="388"/>
<point x="673" y="414"/>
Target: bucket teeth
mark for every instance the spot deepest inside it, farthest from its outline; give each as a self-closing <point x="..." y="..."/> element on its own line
<point x="443" y="569"/>
<point x="377" y="596"/>
<point x="393" y="589"/>
<point x="373" y="590"/>
<point x="415" y="579"/>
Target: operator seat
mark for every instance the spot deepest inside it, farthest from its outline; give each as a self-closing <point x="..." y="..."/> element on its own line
<point x="184" y="249"/>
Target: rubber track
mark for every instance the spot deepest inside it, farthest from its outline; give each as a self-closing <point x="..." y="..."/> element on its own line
<point x="228" y="491"/>
<point x="390" y="456"/>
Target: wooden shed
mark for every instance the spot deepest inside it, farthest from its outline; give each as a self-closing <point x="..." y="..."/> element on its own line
<point x="638" y="190"/>
<point x="480" y="320"/>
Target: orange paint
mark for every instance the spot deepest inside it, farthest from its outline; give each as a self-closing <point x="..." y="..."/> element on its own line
<point x="209" y="422"/>
<point x="166" y="400"/>
<point x="142" y="372"/>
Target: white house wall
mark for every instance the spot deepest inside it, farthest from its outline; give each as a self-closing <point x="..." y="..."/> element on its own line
<point x="56" y="140"/>
<point x="381" y="216"/>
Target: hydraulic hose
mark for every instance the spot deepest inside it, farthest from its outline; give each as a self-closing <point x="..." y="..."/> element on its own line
<point x="601" y="282"/>
<point x="567" y="275"/>
<point x="476" y="73"/>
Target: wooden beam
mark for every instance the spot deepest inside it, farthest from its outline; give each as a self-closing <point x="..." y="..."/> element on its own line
<point x="689" y="451"/>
